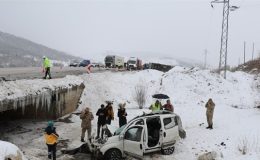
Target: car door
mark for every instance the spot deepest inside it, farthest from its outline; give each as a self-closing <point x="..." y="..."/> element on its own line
<point x="133" y="141"/>
<point x="170" y="131"/>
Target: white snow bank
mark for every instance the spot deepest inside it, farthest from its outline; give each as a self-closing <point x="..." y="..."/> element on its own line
<point x="118" y="87"/>
<point x="10" y="150"/>
<point x="184" y="85"/>
<point x="21" y="88"/>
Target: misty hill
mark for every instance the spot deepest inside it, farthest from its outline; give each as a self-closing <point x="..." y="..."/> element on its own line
<point x="19" y="52"/>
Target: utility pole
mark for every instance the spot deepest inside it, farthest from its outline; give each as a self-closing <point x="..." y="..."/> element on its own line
<point x="244" y="52"/>
<point x="224" y="34"/>
<point x="205" y="58"/>
<point x="253" y="50"/>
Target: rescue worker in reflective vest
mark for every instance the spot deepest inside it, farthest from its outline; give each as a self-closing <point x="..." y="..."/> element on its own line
<point x="51" y="138"/>
<point x="156" y="106"/>
<point x="46" y="67"/>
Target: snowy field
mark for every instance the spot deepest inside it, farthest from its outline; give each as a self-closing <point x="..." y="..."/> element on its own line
<point x="235" y="118"/>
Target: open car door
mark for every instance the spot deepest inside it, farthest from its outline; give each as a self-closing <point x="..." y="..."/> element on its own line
<point x="170" y="131"/>
<point x="133" y="141"/>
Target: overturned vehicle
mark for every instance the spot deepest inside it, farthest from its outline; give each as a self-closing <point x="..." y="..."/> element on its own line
<point x="156" y="131"/>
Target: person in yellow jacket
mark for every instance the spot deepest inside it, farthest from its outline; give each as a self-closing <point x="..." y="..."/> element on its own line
<point x="51" y="138"/>
<point x="157" y="106"/>
<point x="47" y="67"/>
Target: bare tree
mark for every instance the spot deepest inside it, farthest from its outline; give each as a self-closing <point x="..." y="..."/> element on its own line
<point x="140" y="94"/>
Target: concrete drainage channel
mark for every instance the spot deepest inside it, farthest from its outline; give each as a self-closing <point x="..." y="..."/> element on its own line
<point x="46" y="105"/>
<point x="50" y="103"/>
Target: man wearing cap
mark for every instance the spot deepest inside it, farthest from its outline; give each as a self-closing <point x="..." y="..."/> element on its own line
<point x="51" y="138"/>
<point x="46" y="67"/>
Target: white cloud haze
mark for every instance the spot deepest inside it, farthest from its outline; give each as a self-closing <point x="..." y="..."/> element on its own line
<point x="93" y="28"/>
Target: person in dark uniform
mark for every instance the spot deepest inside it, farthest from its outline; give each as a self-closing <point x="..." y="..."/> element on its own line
<point x="101" y="121"/>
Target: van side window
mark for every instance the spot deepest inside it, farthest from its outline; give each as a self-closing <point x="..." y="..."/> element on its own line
<point x="169" y="123"/>
<point x="134" y="134"/>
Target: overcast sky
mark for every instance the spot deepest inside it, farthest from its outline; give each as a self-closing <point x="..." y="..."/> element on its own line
<point x="172" y="28"/>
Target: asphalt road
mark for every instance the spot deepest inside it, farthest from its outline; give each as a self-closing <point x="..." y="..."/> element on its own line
<point x="10" y="74"/>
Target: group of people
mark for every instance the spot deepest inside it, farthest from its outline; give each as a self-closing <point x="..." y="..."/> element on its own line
<point x="105" y="116"/>
<point x="157" y="106"/>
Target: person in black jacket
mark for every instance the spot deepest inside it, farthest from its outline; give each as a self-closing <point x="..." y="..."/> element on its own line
<point x="101" y="120"/>
<point x="51" y="138"/>
<point x="122" y="114"/>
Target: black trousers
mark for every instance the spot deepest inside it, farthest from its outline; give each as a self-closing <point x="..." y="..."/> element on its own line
<point x="47" y="72"/>
<point x="98" y="130"/>
<point x="52" y="151"/>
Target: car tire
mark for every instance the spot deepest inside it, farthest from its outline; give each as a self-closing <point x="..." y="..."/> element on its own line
<point x="113" y="154"/>
<point x="168" y="151"/>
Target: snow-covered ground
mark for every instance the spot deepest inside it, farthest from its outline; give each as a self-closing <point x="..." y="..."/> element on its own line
<point x="9" y="150"/>
<point x="235" y="117"/>
<point x="21" y="88"/>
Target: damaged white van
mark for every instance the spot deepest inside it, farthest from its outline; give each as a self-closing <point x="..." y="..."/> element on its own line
<point x="156" y="131"/>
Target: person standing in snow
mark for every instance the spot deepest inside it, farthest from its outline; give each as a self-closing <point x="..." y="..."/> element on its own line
<point x="122" y="114"/>
<point x="51" y="138"/>
<point x="46" y="67"/>
<point x="86" y="116"/>
<point x="210" y="105"/>
<point x="156" y="106"/>
<point x="101" y="120"/>
<point x="109" y="113"/>
<point x="168" y="106"/>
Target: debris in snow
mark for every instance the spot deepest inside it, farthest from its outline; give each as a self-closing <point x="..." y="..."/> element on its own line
<point x="208" y="156"/>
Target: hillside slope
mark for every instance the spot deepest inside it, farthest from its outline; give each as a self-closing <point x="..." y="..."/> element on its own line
<point x="19" y="52"/>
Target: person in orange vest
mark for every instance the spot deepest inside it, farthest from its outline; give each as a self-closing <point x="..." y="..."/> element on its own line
<point x="51" y="138"/>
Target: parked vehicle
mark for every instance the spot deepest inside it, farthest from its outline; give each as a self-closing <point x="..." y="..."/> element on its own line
<point x="134" y="63"/>
<point x="84" y="63"/>
<point x="139" y="64"/>
<point x="98" y="65"/>
<point x="146" y="66"/>
<point x="113" y="61"/>
<point x="157" y="131"/>
<point x="74" y="63"/>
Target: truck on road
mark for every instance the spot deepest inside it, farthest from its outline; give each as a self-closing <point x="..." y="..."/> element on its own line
<point x="113" y="61"/>
<point x="134" y="64"/>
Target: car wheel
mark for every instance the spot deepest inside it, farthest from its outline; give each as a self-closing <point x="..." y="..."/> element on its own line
<point x="113" y="154"/>
<point x="168" y="151"/>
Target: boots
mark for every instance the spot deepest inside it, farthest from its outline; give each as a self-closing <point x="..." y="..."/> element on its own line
<point x="82" y="140"/>
<point x="209" y="127"/>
